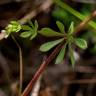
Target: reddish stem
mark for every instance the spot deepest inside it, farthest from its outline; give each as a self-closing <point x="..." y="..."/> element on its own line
<point x="51" y="57"/>
<point x="40" y="71"/>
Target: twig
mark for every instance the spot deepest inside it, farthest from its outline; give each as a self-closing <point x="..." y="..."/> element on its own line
<point x="33" y="13"/>
<point x="40" y="71"/>
<point x="84" y="23"/>
<point x="82" y="81"/>
<point x="21" y="64"/>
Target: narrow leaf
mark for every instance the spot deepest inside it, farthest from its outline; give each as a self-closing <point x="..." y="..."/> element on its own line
<point x="26" y="27"/>
<point x="36" y="24"/>
<point x="71" y="29"/>
<point x="81" y="43"/>
<point x="61" y="55"/>
<point x="34" y="30"/>
<point x="47" y="46"/>
<point x="60" y="26"/>
<point x="49" y="32"/>
<point x="33" y="35"/>
<point x="31" y="24"/>
<point x="71" y="55"/>
<point x="25" y="34"/>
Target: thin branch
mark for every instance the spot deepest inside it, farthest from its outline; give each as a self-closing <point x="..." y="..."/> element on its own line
<point x="43" y="7"/>
<point x="81" y="81"/>
<point x="40" y="71"/>
<point x="84" y="23"/>
<point x="21" y="64"/>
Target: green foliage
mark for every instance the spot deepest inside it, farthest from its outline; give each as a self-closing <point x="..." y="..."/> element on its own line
<point x="71" y="29"/>
<point x="61" y="55"/>
<point x="49" y="45"/>
<point x="26" y="34"/>
<point x="77" y="14"/>
<point x="60" y="26"/>
<point x="30" y="31"/>
<point x="26" y="27"/>
<point x="81" y="43"/>
<point x="60" y="14"/>
<point x="13" y="26"/>
<point x="49" y="32"/>
<point x="68" y="40"/>
<point x="71" y="52"/>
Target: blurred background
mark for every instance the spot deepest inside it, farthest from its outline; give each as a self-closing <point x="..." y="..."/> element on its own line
<point x="57" y="80"/>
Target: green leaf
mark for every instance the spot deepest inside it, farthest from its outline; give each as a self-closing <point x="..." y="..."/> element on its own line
<point x="25" y="34"/>
<point x="36" y="24"/>
<point x="34" y="30"/>
<point x="35" y="27"/>
<point x="31" y="24"/>
<point x="13" y="26"/>
<point x="49" y="45"/>
<point x="60" y="26"/>
<point x="71" y="29"/>
<point x="33" y="35"/>
<point x="26" y="27"/>
<point x="71" y="55"/>
<point x="61" y="55"/>
<point x="49" y="32"/>
<point x="71" y="39"/>
<point x="81" y="43"/>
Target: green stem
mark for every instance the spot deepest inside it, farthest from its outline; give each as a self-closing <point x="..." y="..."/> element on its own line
<point x="21" y="64"/>
<point x="74" y="12"/>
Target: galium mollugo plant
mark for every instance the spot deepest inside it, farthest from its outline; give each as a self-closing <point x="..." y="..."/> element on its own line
<point x="66" y="38"/>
